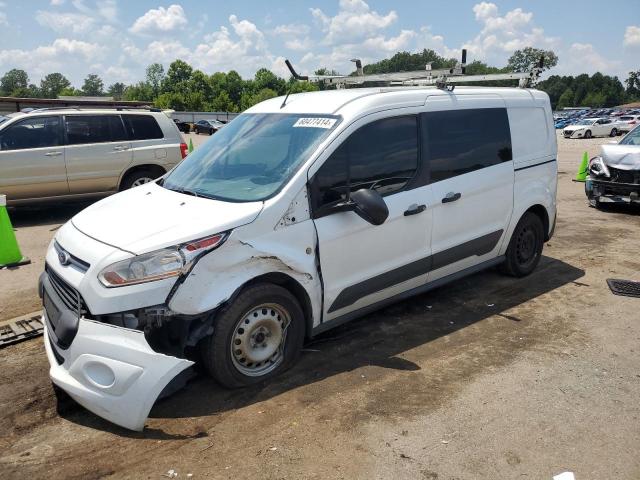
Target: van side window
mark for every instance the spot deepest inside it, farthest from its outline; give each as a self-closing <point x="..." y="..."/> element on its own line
<point x="83" y="129"/>
<point x="37" y="132"/>
<point x="142" y="127"/>
<point x="382" y="155"/>
<point x="456" y="142"/>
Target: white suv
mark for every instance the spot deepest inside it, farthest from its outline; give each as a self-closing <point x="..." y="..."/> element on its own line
<point x="291" y="220"/>
<point x="72" y="153"/>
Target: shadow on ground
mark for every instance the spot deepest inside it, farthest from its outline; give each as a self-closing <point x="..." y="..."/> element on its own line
<point x="50" y="214"/>
<point x="376" y="339"/>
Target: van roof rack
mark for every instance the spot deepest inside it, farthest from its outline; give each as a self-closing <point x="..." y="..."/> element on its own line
<point x="444" y="79"/>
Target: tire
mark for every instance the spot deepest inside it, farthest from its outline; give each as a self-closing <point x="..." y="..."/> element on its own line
<point x="196" y="131"/>
<point x="211" y="131"/>
<point x="525" y="246"/>
<point x="587" y="134"/>
<point x="231" y="355"/>
<point x="139" y="177"/>
<point x="614" y="132"/>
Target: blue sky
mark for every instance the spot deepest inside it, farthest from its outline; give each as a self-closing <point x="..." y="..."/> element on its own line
<point x="117" y="39"/>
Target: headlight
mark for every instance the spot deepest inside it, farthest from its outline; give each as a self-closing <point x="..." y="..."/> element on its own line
<point x="598" y="167"/>
<point x="165" y="263"/>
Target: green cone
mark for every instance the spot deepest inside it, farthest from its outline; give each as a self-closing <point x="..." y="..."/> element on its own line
<point x="581" y="176"/>
<point x="190" y="145"/>
<point x="10" y="255"/>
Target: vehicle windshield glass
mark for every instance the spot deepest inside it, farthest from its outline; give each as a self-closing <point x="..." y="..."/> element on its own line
<point x="252" y="157"/>
<point x="626" y="118"/>
<point x="584" y="122"/>
<point x="632" y="138"/>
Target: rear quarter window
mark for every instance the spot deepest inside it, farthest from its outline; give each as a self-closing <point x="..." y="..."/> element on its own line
<point x="142" y="127"/>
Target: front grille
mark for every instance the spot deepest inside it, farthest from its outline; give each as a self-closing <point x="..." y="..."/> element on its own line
<point x="567" y="134"/>
<point x="69" y="295"/>
<point x="72" y="260"/>
<point x="624" y="176"/>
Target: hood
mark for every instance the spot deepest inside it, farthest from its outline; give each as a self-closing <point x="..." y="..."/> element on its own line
<point x="150" y="217"/>
<point x="624" y="157"/>
<point x="573" y="128"/>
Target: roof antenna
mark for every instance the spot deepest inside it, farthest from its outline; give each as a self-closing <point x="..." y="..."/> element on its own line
<point x="284" y="102"/>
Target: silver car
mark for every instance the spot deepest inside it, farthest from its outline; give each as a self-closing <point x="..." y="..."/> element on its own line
<point x="75" y="153"/>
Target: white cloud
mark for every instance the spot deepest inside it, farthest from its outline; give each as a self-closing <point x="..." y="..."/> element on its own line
<point x="47" y="58"/>
<point x="55" y="3"/>
<point x="354" y="21"/>
<point x="584" y="58"/>
<point x="65" y="22"/>
<point x="292" y="29"/>
<point x="632" y="36"/>
<point x="160" y="20"/>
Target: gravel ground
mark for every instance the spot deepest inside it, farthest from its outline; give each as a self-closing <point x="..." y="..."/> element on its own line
<point x="489" y="378"/>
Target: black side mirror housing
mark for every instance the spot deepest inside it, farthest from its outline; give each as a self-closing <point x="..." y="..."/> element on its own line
<point x="370" y="206"/>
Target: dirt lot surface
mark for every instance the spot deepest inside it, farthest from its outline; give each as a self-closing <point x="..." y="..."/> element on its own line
<point x="488" y="378"/>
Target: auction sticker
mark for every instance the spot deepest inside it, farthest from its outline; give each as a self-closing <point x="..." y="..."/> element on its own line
<point x="315" y="122"/>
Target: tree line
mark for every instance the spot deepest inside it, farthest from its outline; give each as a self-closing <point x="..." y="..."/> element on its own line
<point x="181" y="87"/>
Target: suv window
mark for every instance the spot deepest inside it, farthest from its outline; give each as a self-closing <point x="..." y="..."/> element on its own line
<point x="456" y="142"/>
<point x="36" y="132"/>
<point x="142" y="127"/>
<point x="382" y="155"/>
<point x="83" y="129"/>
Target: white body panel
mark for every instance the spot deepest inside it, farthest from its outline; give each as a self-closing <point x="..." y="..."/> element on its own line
<point x="279" y="237"/>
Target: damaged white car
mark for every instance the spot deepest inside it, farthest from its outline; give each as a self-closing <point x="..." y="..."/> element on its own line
<point x="614" y="175"/>
<point x="294" y="218"/>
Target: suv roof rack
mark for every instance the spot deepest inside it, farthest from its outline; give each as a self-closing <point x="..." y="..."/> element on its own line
<point x="46" y="109"/>
<point x="443" y="78"/>
<point x="79" y="108"/>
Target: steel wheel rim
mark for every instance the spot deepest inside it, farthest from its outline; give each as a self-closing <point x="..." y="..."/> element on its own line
<point x="258" y="339"/>
<point x="141" y="181"/>
<point x="526" y="246"/>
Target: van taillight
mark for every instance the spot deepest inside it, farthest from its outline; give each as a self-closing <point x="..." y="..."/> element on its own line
<point x="184" y="149"/>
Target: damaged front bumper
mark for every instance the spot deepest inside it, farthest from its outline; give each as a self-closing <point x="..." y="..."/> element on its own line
<point x="110" y="370"/>
<point x="606" y="191"/>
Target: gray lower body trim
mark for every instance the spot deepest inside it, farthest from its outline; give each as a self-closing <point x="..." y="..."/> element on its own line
<point x="477" y="246"/>
<point x="404" y="295"/>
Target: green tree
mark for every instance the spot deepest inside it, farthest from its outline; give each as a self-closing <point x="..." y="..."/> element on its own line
<point x="525" y="59"/>
<point x="116" y="90"/>
<point x="250" y="99"/>
<point x="14" y="81"/>
<point x="52" y="84"/>
<point x="155" y="76"/>
<point x="633" y="86"/>
<point x="178" y="75"/>
<point x="70" y="92"/>
<point x="234" y="85"/>
<point x="93" y="85"/>
<point x="566" y="99"/>
<point x="266" y="79"/>
<point x="200" y="82"/>
<point x="222" y="103"/>
<point x="141" y="91"/>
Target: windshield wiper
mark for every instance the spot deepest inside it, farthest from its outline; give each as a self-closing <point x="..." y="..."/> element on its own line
<point x="193" y="193"/>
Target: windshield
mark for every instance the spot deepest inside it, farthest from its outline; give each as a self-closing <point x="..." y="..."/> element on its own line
<point x="632" y="138"/>
<point x="251" y="158"/>
<point x="584" y="122"/>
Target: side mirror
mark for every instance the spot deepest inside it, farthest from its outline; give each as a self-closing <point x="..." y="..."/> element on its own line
<point x="370" y="206"/>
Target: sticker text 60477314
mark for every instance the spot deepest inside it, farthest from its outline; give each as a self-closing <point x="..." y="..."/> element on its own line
<point x="315" y="122"/>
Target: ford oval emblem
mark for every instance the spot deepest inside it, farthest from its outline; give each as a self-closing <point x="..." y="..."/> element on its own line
<point x="64" y="258"/>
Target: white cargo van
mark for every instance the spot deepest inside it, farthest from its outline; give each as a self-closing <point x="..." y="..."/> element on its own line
<point x="294" y="218"/>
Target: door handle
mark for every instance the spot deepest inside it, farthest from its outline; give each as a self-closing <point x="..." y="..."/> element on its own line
<point x="414" y="209"/>
<point x="451" y="197"/>
<point x="53" y="154"/>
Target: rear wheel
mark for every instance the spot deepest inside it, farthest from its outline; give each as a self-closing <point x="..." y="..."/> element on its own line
<point x="257" y="337"/>
<point x="139" y="177"/>
<point x="587" y="134"/>
<point x="196" y="130"/>
<point x="525" y="246"/>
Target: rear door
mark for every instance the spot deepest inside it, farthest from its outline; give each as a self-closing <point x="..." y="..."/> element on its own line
<point x="467" y="144"/>
<point x="362" y="264"/>
<point x="148" y="142"/>
<point x="32" y="159"/>
<point x="97" y="152"/>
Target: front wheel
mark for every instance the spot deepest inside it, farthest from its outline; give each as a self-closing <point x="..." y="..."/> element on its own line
<point x="587" y="134"/>
<point x="614" y="132"/>
<point x="255" y="338"/>
<point x="525" y="246"/>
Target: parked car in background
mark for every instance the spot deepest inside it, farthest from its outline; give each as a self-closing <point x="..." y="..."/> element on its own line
<point x="207" y="126"/>
<point x="74" y="153"/>
<point x="626" y="123"/>
<point x="591" y="127"/>
<point x="184" y="127"/>
<point x="614" y="175"/>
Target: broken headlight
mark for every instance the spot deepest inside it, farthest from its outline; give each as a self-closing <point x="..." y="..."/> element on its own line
<point x="160" y="264"/>
<point x="597" y="167"/>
